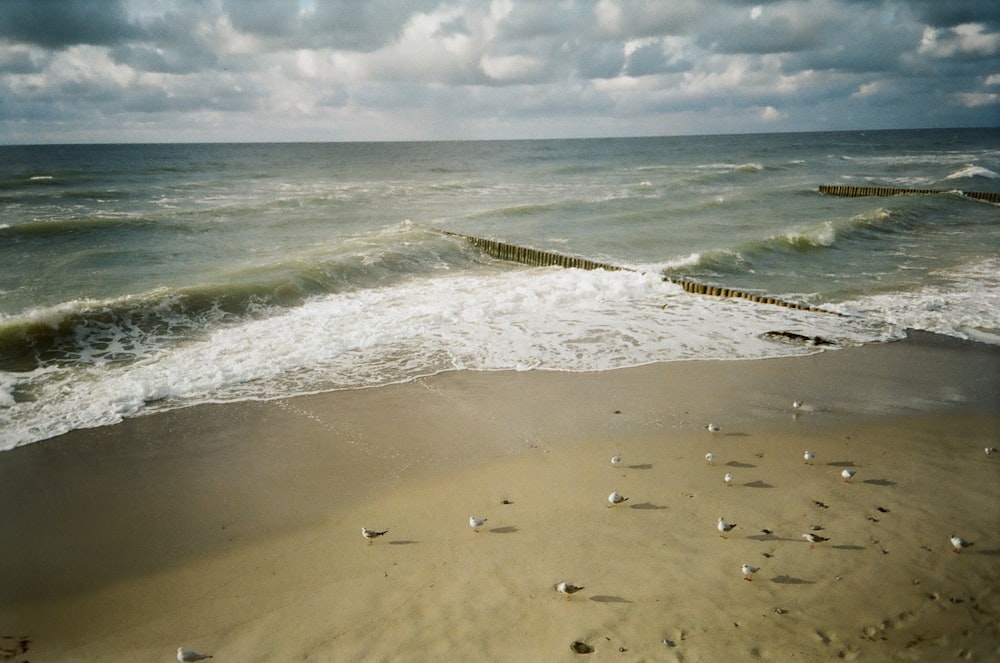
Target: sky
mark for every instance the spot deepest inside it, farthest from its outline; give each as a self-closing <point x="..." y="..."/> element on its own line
<point x="97" y="71"/>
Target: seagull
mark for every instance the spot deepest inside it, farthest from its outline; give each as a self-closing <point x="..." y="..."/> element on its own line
<point x="728" y="478"/>
<point x="713" y="428"/>
<point x="617" y="458"/>
<point x="709" y="457"/>
<point x="813" y="539"/>
<point x="567" y="588"/>
<point x="614" y="498"/>
<point x="187" y="656"/>
<point x="797" y="405"/>
<point x="369" y="534"/>
<point x="848" y="474"/>
<point x="748" y="571"/>
<point x="958" y="543"/>
<point x="724" y="527"/>
<point x="476" y="523"/>
<point x="809" y="457"/>
<point x="990" y="451"/>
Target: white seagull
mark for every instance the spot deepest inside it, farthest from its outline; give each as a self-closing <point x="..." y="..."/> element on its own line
<point x="567" y="588"/>
<point x="475" y="523"/>
<point x="813" y="539"/>
<point x="958" y="543"/>
<point x="709" y="457"/>
<point x="187" y="656"/>
<point x="614" y="498"/>
<point x="617" y="458"/>
<point x="370" y="535"/>
<point x="809" y="457"/>
<point x="728" y="478"/>
<point x="797" y="405"/>
<point x="848" y="474"/>
<point x="724" y="527"/>
<point x="748" y="571"/>
<point x="713" y="428"/>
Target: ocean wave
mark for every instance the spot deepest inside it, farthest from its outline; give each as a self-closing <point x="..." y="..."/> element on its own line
<point x="964" y="304"/>
<point x="132" y="327"/>
<point x="557" y="319"/>
<point x="973" y="171"/>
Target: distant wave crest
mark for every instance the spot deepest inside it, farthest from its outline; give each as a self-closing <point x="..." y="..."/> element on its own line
<point x="973" y="171"/>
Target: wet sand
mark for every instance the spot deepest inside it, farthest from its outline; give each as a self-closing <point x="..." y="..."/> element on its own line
<point x="235" y="529"/>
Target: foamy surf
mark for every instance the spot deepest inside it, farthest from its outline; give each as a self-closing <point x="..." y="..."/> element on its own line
<point x="524" y="319"/>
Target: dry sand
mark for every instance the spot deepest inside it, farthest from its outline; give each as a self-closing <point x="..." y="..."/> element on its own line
<point x="235" y="529"/>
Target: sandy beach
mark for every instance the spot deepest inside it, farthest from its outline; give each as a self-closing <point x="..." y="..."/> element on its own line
<point x="235" y="529"/>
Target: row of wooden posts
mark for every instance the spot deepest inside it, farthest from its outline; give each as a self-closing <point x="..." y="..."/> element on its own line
<point x="862" y="191"/>
<point x="537" y="258"/>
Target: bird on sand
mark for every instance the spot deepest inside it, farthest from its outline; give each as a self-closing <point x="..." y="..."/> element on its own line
<point x="370" y="534"/>
<point x="724" y="527"/>
<point x="990" y="451"/>
<point x="797" y="405"/>
<point x="617" y="458"/>
<point x="848" y="474"/>
<point x="813" y="539"/>
<point x="809" y="457"/>
<point x="709" y="457"/>
<point x="616" y="498"/>
<point x="475" y="523"/>
<point x="958" y="543"/>
<point x="567" y="588"/>
<point x="713" y="428"/>
<point x="748" y="571"/>
<point x="188" y="656"/>
<point x="728" y="478"/>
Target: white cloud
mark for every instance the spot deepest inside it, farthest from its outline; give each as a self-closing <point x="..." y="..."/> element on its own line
<point x="977" y="99"/>
<point x="967" y="38"/>
<point x="771" y="114"/>
<point x="381" y="69"/>
<point x="510" y="68"/>
<point x="868" y="89"/>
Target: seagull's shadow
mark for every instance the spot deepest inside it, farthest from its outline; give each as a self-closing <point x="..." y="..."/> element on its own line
<point x="603" y="598"/>
<point x="767" y="537"/>
<point x="846" y="546"/>
<point x="736" y="463"/>
<point x="880" y="482"/>
<point x="403" y="542"/>
<point x="508" y="529"/>
<point x="641" y="466"/>
<point x="789" y="580"/>
<point x="647" y="505"/>
<point x="842" y="463"/>
<point x="758" y="484"/>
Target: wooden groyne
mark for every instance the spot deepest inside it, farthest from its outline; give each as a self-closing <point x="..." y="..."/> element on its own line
<point x="537" y="258"/>
<point x="863" y="191"/>
<point x="532" y="257"/>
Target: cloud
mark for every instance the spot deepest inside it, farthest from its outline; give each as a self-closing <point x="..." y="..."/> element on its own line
<point x="381" y="69"/>
<point x="977" y="99"/>
<point x="967" y="39"/>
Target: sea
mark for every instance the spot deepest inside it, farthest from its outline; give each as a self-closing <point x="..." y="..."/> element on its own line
<point x="136" y="278"/>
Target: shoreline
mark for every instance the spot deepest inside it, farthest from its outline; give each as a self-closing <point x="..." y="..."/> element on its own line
<point x="233" y="529"/>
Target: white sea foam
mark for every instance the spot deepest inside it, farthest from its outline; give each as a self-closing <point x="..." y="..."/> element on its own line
<point x="966" y="304"/>
<point x="973" y="171"/>
<point x="557" y="319"/>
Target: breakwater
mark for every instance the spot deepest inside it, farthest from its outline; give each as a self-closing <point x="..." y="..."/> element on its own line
<point x="863" y="191"/>
<point x="537" y="258"/>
